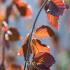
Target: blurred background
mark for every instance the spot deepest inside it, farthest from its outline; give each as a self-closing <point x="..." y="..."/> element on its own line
<point x="24" y="27"/>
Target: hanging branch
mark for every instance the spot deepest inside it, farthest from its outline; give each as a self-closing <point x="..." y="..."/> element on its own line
<point x="2" y="65"/>
<point x="29" y="49"/>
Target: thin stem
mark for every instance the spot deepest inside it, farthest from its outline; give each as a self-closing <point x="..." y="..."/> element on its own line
<point x="43" y="5"/>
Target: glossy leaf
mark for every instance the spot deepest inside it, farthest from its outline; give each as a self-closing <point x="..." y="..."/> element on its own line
<point x="59" y="3"/>
<point x="53" y="20"/>
<point x="12" y="34"/>
<point x="43" y="32"/>
<point x="44" y="59"/>
<point x="23" y="50"/>
<point x="54" y="8"/>
<point x="24" y="9"/>
<point x="37" y="47"/>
